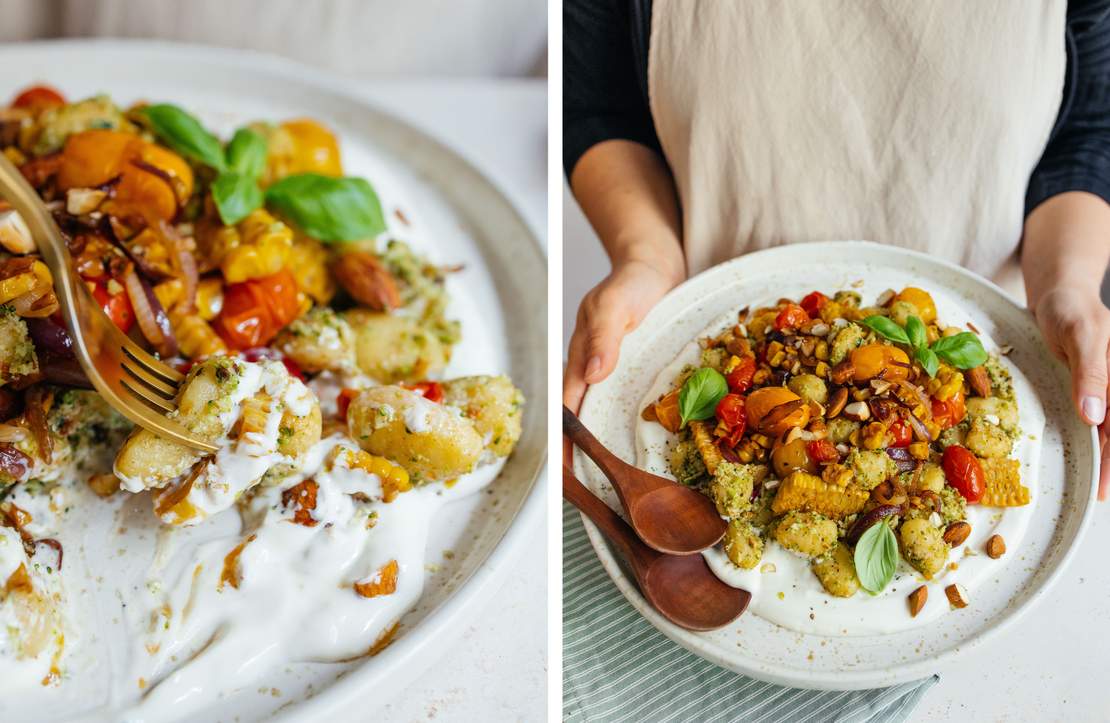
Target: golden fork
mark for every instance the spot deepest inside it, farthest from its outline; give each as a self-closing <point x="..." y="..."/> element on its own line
<point x="136" y="384"/>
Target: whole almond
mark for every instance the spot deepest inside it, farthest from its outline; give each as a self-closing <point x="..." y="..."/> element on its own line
<point x="957" y="595"/>
<point x="996" y="547"/>
<point x="836" y="404"/>
<point x="956" y="533"/>
<point x="367" y="280"/>
<point x="917" y="600"/>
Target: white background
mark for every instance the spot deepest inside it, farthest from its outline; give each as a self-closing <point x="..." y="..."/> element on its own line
<point x="497" y="671"/>
<point x="1054" y="665"/>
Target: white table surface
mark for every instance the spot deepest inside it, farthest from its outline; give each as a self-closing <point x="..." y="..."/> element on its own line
<point x="1054" y="666"/>
<point x="497" y="670"/>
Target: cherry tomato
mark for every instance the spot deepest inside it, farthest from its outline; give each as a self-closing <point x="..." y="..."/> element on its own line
<point x="901" y="434"/>
<point x="733" y="412"/>
<point x="38" y="98"/>
<point x="822" y="451"/>
<point x="255" y="311"/>
<point x="117" y="306"/>
<point x="813" y="302"/>
<point x="792" y="316"/>
<point x="265" y="353"/>
<point x="432" y="391"/>
<point x="964" y="472"/>
<point x="343" y="401"/>
<point x="293" y="368"/>
<point x="950" y="413"/>
<point x="740" y="379"/>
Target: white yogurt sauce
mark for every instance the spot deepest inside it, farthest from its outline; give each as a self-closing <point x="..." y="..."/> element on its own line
<point x="784" y="589"/>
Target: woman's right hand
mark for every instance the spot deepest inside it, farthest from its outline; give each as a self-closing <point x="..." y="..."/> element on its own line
<point x="608" y="312"/>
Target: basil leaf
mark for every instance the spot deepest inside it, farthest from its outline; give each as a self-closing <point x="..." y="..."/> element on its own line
<point x="700" y="394"/>
<point x="927" y="358"/>
<point x="876" y="557"/>
<point x="329" y="209"/>
<point x="246" y="153"/>
<point x="915" y="331"/>
<point x="184" y="134"/>
<point x="886" y="328"/>
<point x="963" y="351"/>
<point x="236" y="195"/>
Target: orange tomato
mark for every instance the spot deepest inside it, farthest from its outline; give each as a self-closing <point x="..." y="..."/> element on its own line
<point x="926" y="308"/>
<point x="872" y="360"/>
<point x="951" y="412"/>
<point x="302" y="146"/>
<point x="153" y="181"/>
<point x="667" y="413"/>
<point x="255" y="311"/>
<point x="762" y="401"/>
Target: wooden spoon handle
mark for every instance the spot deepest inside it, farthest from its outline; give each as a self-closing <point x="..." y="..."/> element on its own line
<point x="608" y="521"/>
<point x="610" y="464"/>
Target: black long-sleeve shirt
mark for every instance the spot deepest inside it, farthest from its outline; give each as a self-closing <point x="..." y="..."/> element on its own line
<point x="605" y="50"/>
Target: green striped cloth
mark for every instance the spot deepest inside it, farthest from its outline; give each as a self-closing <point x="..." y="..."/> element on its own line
<point x="617" y="667"/>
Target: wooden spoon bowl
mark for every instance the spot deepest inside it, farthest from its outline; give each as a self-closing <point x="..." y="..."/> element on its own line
<point x="668" y="517"/>
<point x="681" y="587"/>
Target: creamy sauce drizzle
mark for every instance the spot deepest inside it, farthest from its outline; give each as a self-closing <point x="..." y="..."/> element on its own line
<point x="784" y="589"/>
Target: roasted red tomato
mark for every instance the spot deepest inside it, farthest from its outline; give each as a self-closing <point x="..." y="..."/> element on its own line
<point x="822" y="451"/>
<point x="38" y="98"/>
<point x="343" y="401"/>
<point x="740" y="379"/>
<point x="117" y="306"/>
<point x="951" y="412"/>
<point x="901" y="433"/>
<point x="432" y="391"/>
<point x="254" y="311"/>
<point x="731" y="410"/>
<point x="792" y="316"/>
<point x="813" y="302"/>
<point x="964" y="472"/>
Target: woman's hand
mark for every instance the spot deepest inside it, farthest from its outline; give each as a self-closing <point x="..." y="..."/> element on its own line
<point x="1065" y="251"/>
<point x="1076" y="326"/>
<point x="608" y="312"/>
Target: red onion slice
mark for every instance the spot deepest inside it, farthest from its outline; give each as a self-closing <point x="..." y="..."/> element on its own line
<point x="150" y="315"/>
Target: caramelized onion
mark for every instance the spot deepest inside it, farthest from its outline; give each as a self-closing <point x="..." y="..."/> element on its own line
<point x="13" y="462"/>
<point x="54" y="545"/>
<point x="779" y="413"/>
<point x="903" y="460"/>
<point x="150" y="315"/>
<point x="37" y="400"/>
<point x="870" y="518"/>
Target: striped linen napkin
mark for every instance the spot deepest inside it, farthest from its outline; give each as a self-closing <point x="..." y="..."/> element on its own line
<point x="617" y="667"/>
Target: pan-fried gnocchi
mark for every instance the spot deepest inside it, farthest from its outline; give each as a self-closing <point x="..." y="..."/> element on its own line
<point x="815" y="420"/>
<point x="493" y="404"/>
<point x="391" y="348"/>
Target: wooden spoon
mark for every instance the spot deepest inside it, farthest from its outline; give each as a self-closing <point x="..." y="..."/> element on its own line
<point x="681" y="587"/>
<point x="667" y="516"/>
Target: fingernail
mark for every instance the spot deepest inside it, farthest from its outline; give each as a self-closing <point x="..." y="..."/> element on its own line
<point x="1094" y="409"/>
<point x="593" y="367"/>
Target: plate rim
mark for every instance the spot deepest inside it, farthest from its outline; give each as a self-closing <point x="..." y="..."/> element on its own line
<point x="840" y="680"/>
<point x="405" y="659"/>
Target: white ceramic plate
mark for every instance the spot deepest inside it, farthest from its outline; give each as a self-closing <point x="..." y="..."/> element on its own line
<point x="1065" y="486"/>
<point x="458" y="217"/>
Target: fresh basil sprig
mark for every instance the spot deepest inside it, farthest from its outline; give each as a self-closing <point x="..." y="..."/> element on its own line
<point x="183" y="133"/>
<point x="876" y="557"/>
<point x="246" y="153"/>
<point x="330" y="209"/>
<point x="963" y="350"/>
<point x="700" y="394"/>
<point x="887" y="329"/>
<point x="236" y="196"/>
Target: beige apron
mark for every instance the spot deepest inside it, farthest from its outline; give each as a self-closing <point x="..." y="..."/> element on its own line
<point x="906" y="122"/>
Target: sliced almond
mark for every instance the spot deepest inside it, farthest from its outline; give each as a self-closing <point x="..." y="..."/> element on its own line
<point x="884" y="298"/>
<point x="956" y="533"/>
<point x="917" y="600"/>
<point x="80" y="201"/>
<point x="842" y="373"/>
<point x="957" y="595"/>
<point x="996" y="547"/>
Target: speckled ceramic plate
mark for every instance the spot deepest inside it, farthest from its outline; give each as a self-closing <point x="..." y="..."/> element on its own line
<point x="464" y="219"/>
<point x="1065" y="482"/>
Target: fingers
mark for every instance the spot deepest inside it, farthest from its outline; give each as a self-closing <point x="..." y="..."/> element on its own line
<point x="605" y="327"/>
<point x="1086" y="350"/>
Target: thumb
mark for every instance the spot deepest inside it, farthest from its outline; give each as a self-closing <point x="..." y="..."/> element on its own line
<point x="1088" y="359"/>
<point x="604" y="331"/>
